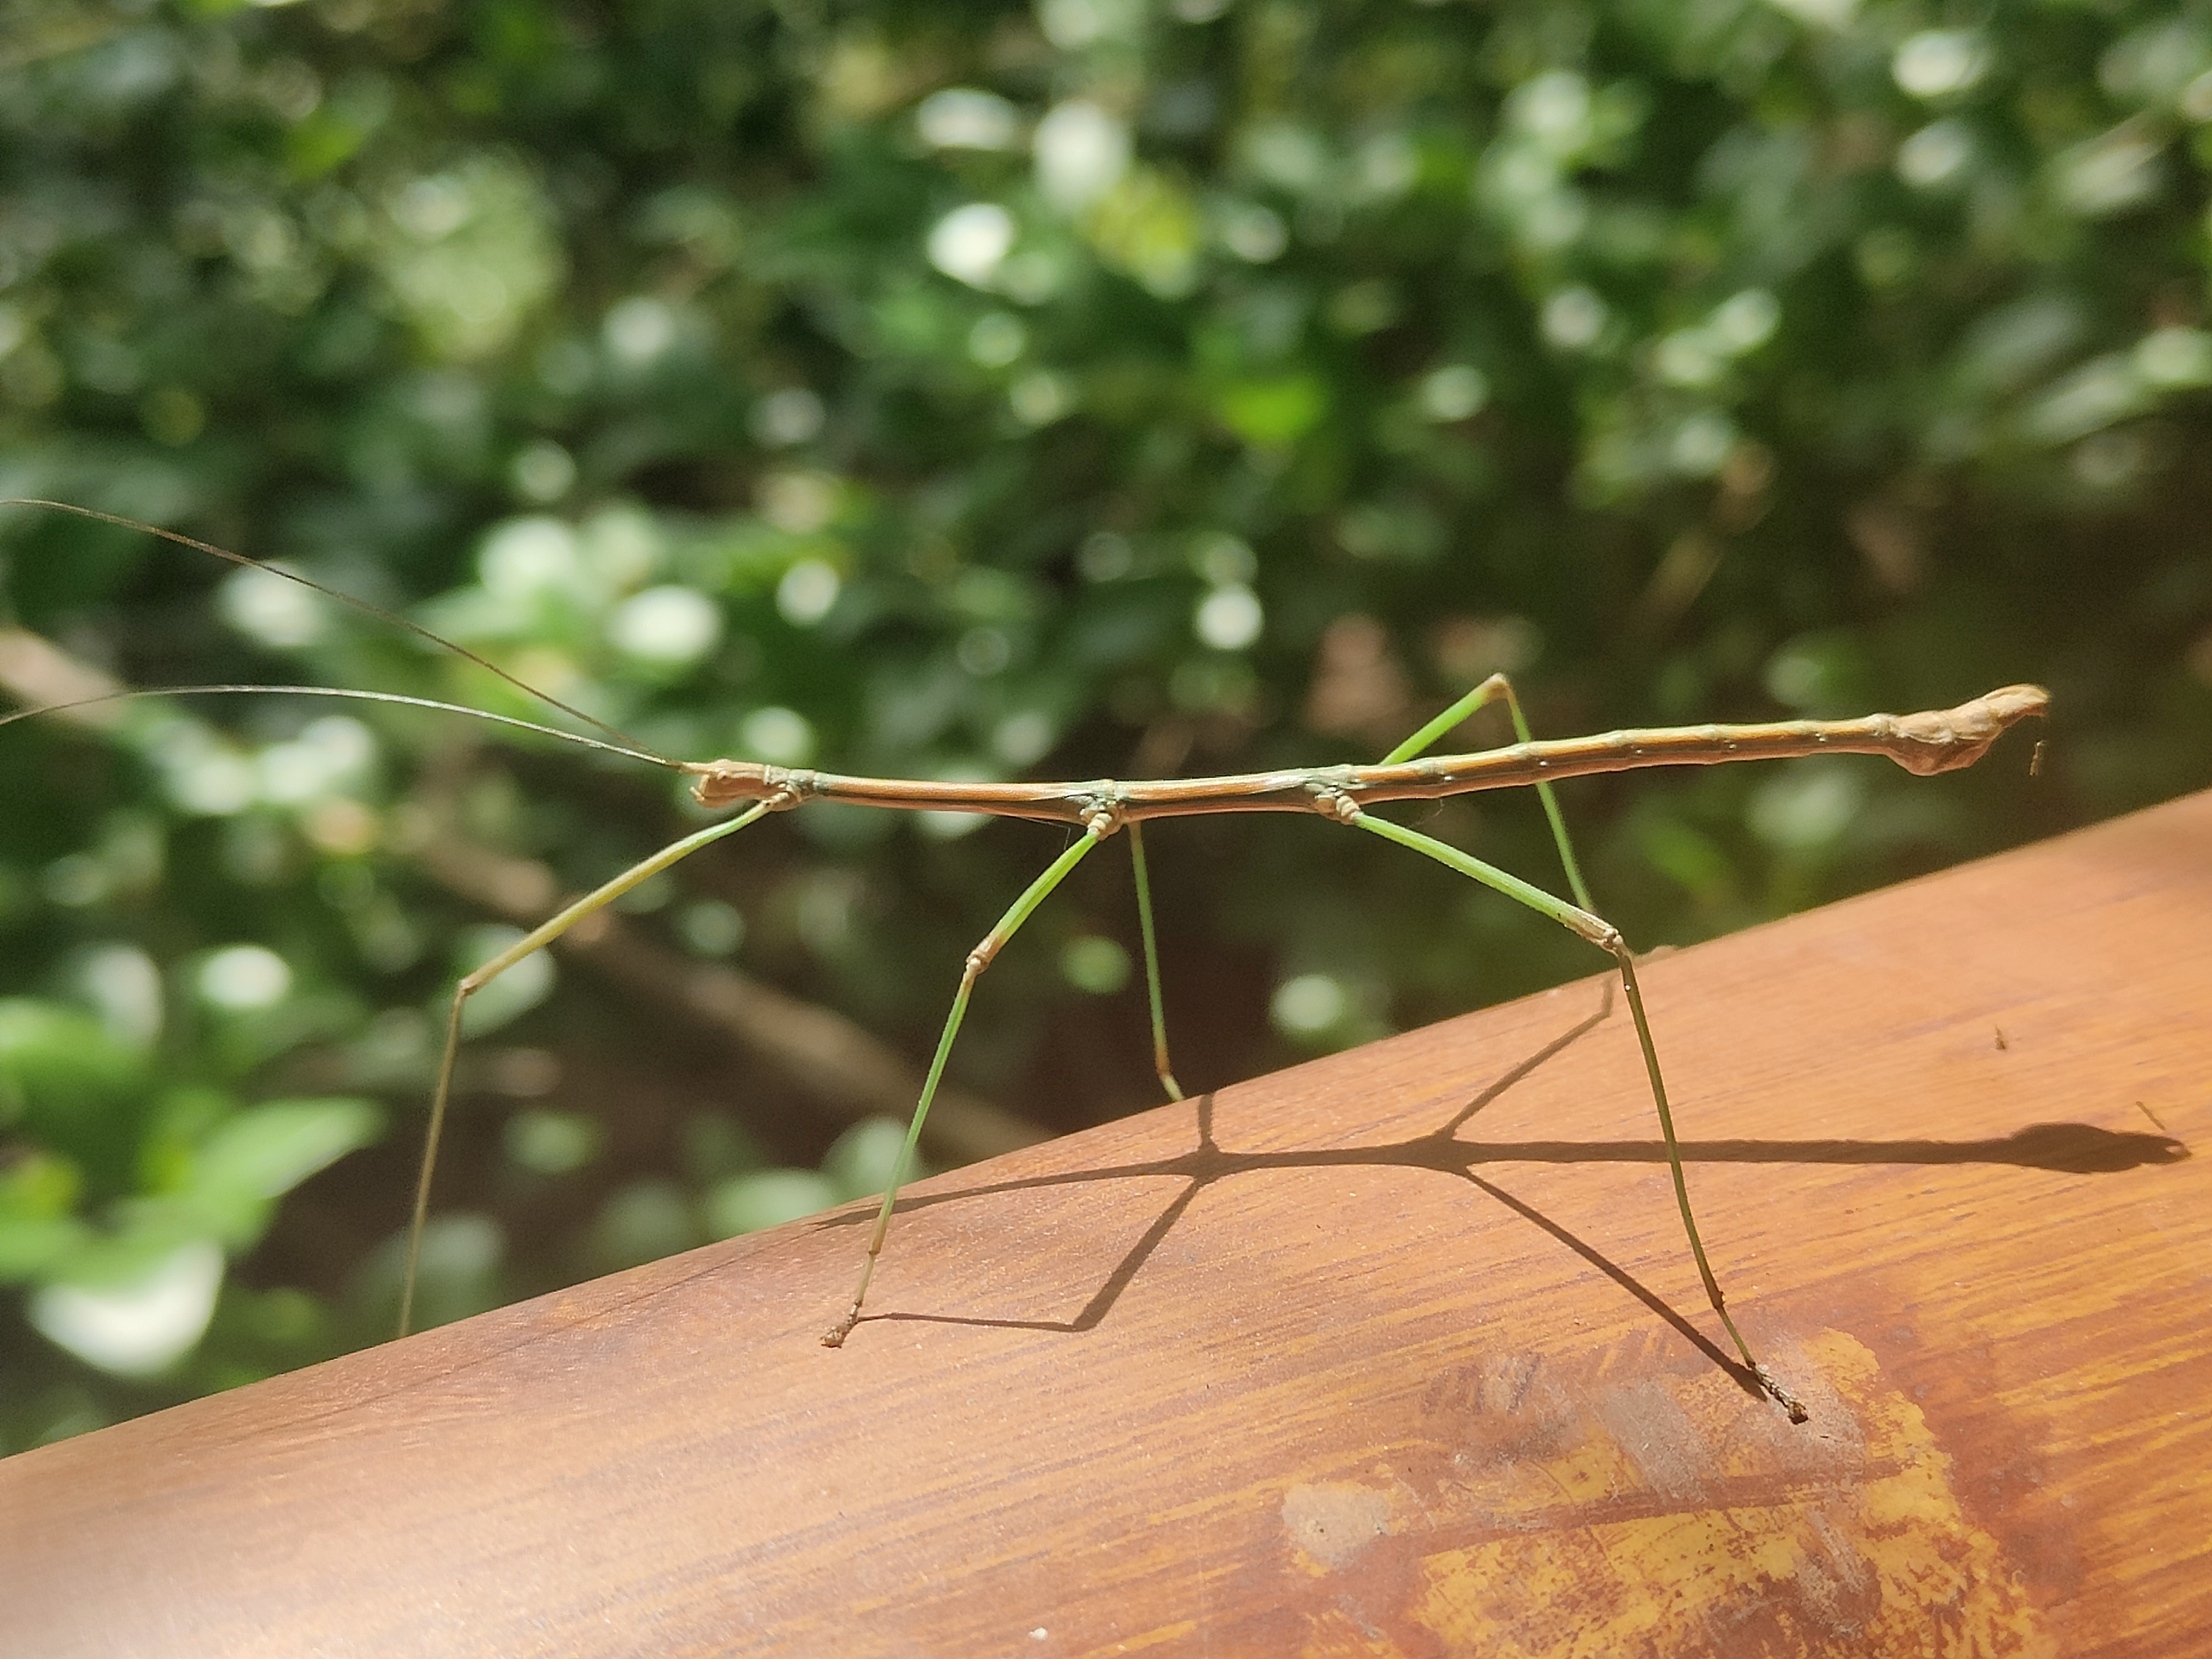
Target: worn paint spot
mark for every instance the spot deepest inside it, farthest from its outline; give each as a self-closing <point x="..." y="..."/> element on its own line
<point x="1676" y="1549"/>
<point x="1332" y="1525"/>
<point x="1649" y="1425"/>
<point x="1628" y="1512"/>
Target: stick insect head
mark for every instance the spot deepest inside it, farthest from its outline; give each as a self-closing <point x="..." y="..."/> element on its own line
<point x="730" y="782"/>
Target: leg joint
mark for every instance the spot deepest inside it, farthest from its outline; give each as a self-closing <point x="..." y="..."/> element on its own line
<point x="1103" y="810"/>
<point x="1332" y="802"/>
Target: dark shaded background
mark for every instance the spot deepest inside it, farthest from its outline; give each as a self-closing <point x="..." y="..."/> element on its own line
<point x="976" y="391"/>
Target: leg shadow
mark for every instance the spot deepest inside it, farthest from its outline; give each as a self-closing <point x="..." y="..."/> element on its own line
<point x="2070" y="1148"/>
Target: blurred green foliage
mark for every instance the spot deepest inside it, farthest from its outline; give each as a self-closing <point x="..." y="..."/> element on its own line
<point x="969" y="389"/>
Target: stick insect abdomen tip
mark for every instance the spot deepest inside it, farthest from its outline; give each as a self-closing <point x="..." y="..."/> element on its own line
<point x="1944" y="740"/>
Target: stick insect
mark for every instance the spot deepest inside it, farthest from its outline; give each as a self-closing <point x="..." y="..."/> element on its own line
<point x="1931" y="742"/>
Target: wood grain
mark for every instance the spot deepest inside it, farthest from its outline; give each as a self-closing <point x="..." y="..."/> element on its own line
<point x="1300" y="1369"/>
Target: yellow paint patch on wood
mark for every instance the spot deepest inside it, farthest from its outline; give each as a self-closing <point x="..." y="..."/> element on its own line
<point x="1682" y="1518"/>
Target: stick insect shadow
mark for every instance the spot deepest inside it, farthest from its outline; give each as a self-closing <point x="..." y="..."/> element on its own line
<point x="2070" y="1148"/>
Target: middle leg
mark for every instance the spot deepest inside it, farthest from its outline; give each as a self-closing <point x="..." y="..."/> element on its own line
<point x="978" y="959"/>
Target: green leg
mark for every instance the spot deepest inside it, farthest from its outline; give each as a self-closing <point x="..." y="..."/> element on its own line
<point x="1603" y="934"/>
<point x="1499" y="686"/>
<point x="598" y="899"/>
<point x="978" y="960"/>
<point x="1151" y="963"/>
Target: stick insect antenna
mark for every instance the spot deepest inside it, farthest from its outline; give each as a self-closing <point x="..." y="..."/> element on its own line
<point x="351" y="694"/>
<point x="629" y="744"/>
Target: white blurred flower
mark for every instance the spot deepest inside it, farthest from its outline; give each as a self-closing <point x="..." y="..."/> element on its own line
<point x="124" y="983"/>
<point x="1092" y="963"/>
<point x="1388" y="164"/>
<point x="542" y="471"/>
<point x="798" y="502"/>
<point x="969" y="242"/>
<point x="1746" y="321"/>
<point x="1041" y="398"/>
<point x="203" y="774"/>
<point x="239" y="978"/>
<point x="1228" y="618"/>
<point x="2169" y="357"/>
<point x="1023" y="738"/>
<point x="272" y="609"/>
<point x="638" y="330"/>
<point x="1701" y="443"/>
<point x="1820" y="13"/>
<point x="997" y="339"/>
<point x="1072" y="25"/>
<point x="670" y="625"/>
<point x="1309" y="1005"/>
<point x="1805" y="808"/>
<point x="329" y="752"/>
<point x="712" y="928"/>
<point x="1082" y="151"/>
<point x="1223" y="559"/>
<point x="1454" y="393"/>
<point x="1687" y="358"/>
<point x="1252" y="232"/>
<point x="1284" y="153"/>
<point x="786" y="418"/>
<point x="1936" y="155"/>
<point x="525" y="559"/>
<point x="962" y="118"/>
<point x="983" y="651"/>
<point x="621" y="544"/>
<point x="807" y="591"/>
<point x="1574" y="318"/>
<point x="780" y="737"/>
<point x="1935" y="62"/>
<point x="1554" y="108"/>
<point x="2113" y="171"/>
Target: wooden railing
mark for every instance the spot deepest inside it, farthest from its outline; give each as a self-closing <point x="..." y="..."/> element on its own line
<point x="1322" y="1364"/>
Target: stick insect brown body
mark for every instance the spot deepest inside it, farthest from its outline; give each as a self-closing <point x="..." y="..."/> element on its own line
<point x="1941" y="740"/>
<point x="1936" y="741"/>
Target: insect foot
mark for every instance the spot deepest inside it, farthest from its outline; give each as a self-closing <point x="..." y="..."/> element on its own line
<point x="1767" y="1381"/>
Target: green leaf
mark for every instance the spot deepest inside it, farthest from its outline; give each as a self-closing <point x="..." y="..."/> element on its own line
<point x="861" y="1161"/>
<point x="32" y="1247"/>
<point x="72" y="1086"/>
<point x="1275" y="412"/>
<point x="767" y="1197"/>
<point x="266" y="1150"/>
<point x="236" y="1176"/>
<point x="38" y="1230"/>
<point x="49" y="1053"/>
<point x="39" y="1186"/>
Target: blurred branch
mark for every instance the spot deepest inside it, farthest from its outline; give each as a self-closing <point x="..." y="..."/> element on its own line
<point x="843" y="1070"/>
<point x="37" y="673"/>
<point x="38" y="31"/>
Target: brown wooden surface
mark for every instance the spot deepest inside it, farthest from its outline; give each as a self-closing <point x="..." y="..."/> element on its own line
<point x="1293" y="1370"/>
